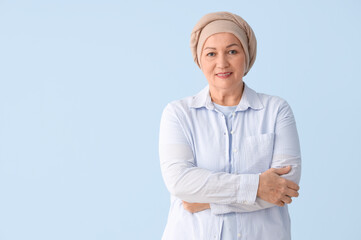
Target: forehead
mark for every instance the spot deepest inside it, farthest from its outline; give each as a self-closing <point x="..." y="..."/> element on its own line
<point x="220" y="40"/>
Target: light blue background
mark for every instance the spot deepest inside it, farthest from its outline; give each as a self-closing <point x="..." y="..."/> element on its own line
<point x="83" y="85"/>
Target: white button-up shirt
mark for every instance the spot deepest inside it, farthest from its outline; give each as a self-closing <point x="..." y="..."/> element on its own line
<point x="194" y="159"/>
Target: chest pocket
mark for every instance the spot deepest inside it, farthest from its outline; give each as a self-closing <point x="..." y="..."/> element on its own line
<point x="256" y="154"/>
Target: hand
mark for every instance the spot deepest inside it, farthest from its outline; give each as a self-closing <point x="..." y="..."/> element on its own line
<point x="195" y="207"/>
<point x="275" y="189"/>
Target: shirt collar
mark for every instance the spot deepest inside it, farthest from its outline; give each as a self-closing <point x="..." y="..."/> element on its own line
<point x="249" y="99"/>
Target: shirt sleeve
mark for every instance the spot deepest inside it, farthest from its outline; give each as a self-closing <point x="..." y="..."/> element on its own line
<point x="193" y="184"/>
<point x="286" y="153"/>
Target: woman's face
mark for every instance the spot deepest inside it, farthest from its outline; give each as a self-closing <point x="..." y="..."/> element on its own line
<point x="223" y="61"/>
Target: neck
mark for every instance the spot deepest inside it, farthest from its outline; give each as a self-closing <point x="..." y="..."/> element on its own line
<point x="227" y="97"/>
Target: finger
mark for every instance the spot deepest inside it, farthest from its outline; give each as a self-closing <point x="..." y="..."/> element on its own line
<point x="286" y="199"/>
<point x="292" y="193"/>
<point x="281" y="171"/>
<point x="292" y="185"/>
<point x="280" y="203"/>
<point x="186" y="205"/>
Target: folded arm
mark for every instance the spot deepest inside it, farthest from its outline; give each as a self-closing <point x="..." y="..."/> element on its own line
<point x="193" y="184"/>
<point x="286" y="153"/>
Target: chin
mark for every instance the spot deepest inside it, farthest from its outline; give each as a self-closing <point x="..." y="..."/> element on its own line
<point x="225" y="86"/>
<point x="229" y="84"/>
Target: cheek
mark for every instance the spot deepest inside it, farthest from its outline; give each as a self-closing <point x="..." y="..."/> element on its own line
<point x="209" y="72"/>
<point x="206" y="73"/>
<point x="242" y="65"/>
<point x="207" y="69"/>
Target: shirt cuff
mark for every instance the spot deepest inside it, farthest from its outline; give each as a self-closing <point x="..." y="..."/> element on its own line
<point x="247" y="193"/>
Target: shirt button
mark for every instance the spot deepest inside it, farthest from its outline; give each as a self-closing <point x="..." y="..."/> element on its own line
<point x="235" y="150"/>
<point x="233" y="114"/>
<point x="232" y="131"/>
<point x="239" y="235"/>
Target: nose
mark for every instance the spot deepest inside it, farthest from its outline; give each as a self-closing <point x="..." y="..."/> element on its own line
<point x="222" y="61"/>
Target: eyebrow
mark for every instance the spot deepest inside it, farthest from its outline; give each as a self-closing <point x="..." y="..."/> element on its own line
<point x="231" y="45"/>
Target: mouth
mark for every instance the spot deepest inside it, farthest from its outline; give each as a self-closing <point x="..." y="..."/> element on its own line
<point x="224" y="74"/>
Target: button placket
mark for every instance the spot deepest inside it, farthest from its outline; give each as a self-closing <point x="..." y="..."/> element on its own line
<point x="234" y="142"/>
<point x="225" y="133"/>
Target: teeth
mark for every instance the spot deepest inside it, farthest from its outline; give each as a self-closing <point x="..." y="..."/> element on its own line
<point x="223" y="74"/>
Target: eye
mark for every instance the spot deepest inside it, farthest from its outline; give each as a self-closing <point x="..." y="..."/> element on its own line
<point x="211" y="54"/>
<point x="232" y="52"/>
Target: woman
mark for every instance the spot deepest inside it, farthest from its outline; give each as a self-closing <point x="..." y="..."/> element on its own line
<point x="229" y="156"/>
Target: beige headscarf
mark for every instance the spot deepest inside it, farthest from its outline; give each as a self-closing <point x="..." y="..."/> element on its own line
<point x="218" y="22"/>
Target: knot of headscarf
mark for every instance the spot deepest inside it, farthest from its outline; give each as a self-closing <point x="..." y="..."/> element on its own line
<point x="217" y="22"/>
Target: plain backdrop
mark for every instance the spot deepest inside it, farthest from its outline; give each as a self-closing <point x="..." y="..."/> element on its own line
<point x="83" y="85"/>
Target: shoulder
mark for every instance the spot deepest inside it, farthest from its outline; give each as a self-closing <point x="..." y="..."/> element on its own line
<point x="179" y="108"/>
<point x="181" y="104"/>
<point x="185" y="105"/>
<point x="276" y="106"/>
<point x="273" y="102"/>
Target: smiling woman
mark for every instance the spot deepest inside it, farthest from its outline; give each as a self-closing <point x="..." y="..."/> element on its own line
<point x="223" y="64"/>
<point x="229" y="156"/>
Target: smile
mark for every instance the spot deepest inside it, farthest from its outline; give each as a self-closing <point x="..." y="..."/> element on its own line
<point x="223" y="75"/>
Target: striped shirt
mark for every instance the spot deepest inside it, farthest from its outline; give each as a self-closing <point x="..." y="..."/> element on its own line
<point x="197" y="167"/>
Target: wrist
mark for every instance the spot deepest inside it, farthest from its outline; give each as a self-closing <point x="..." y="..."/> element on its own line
<point x="259" y="184"/>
